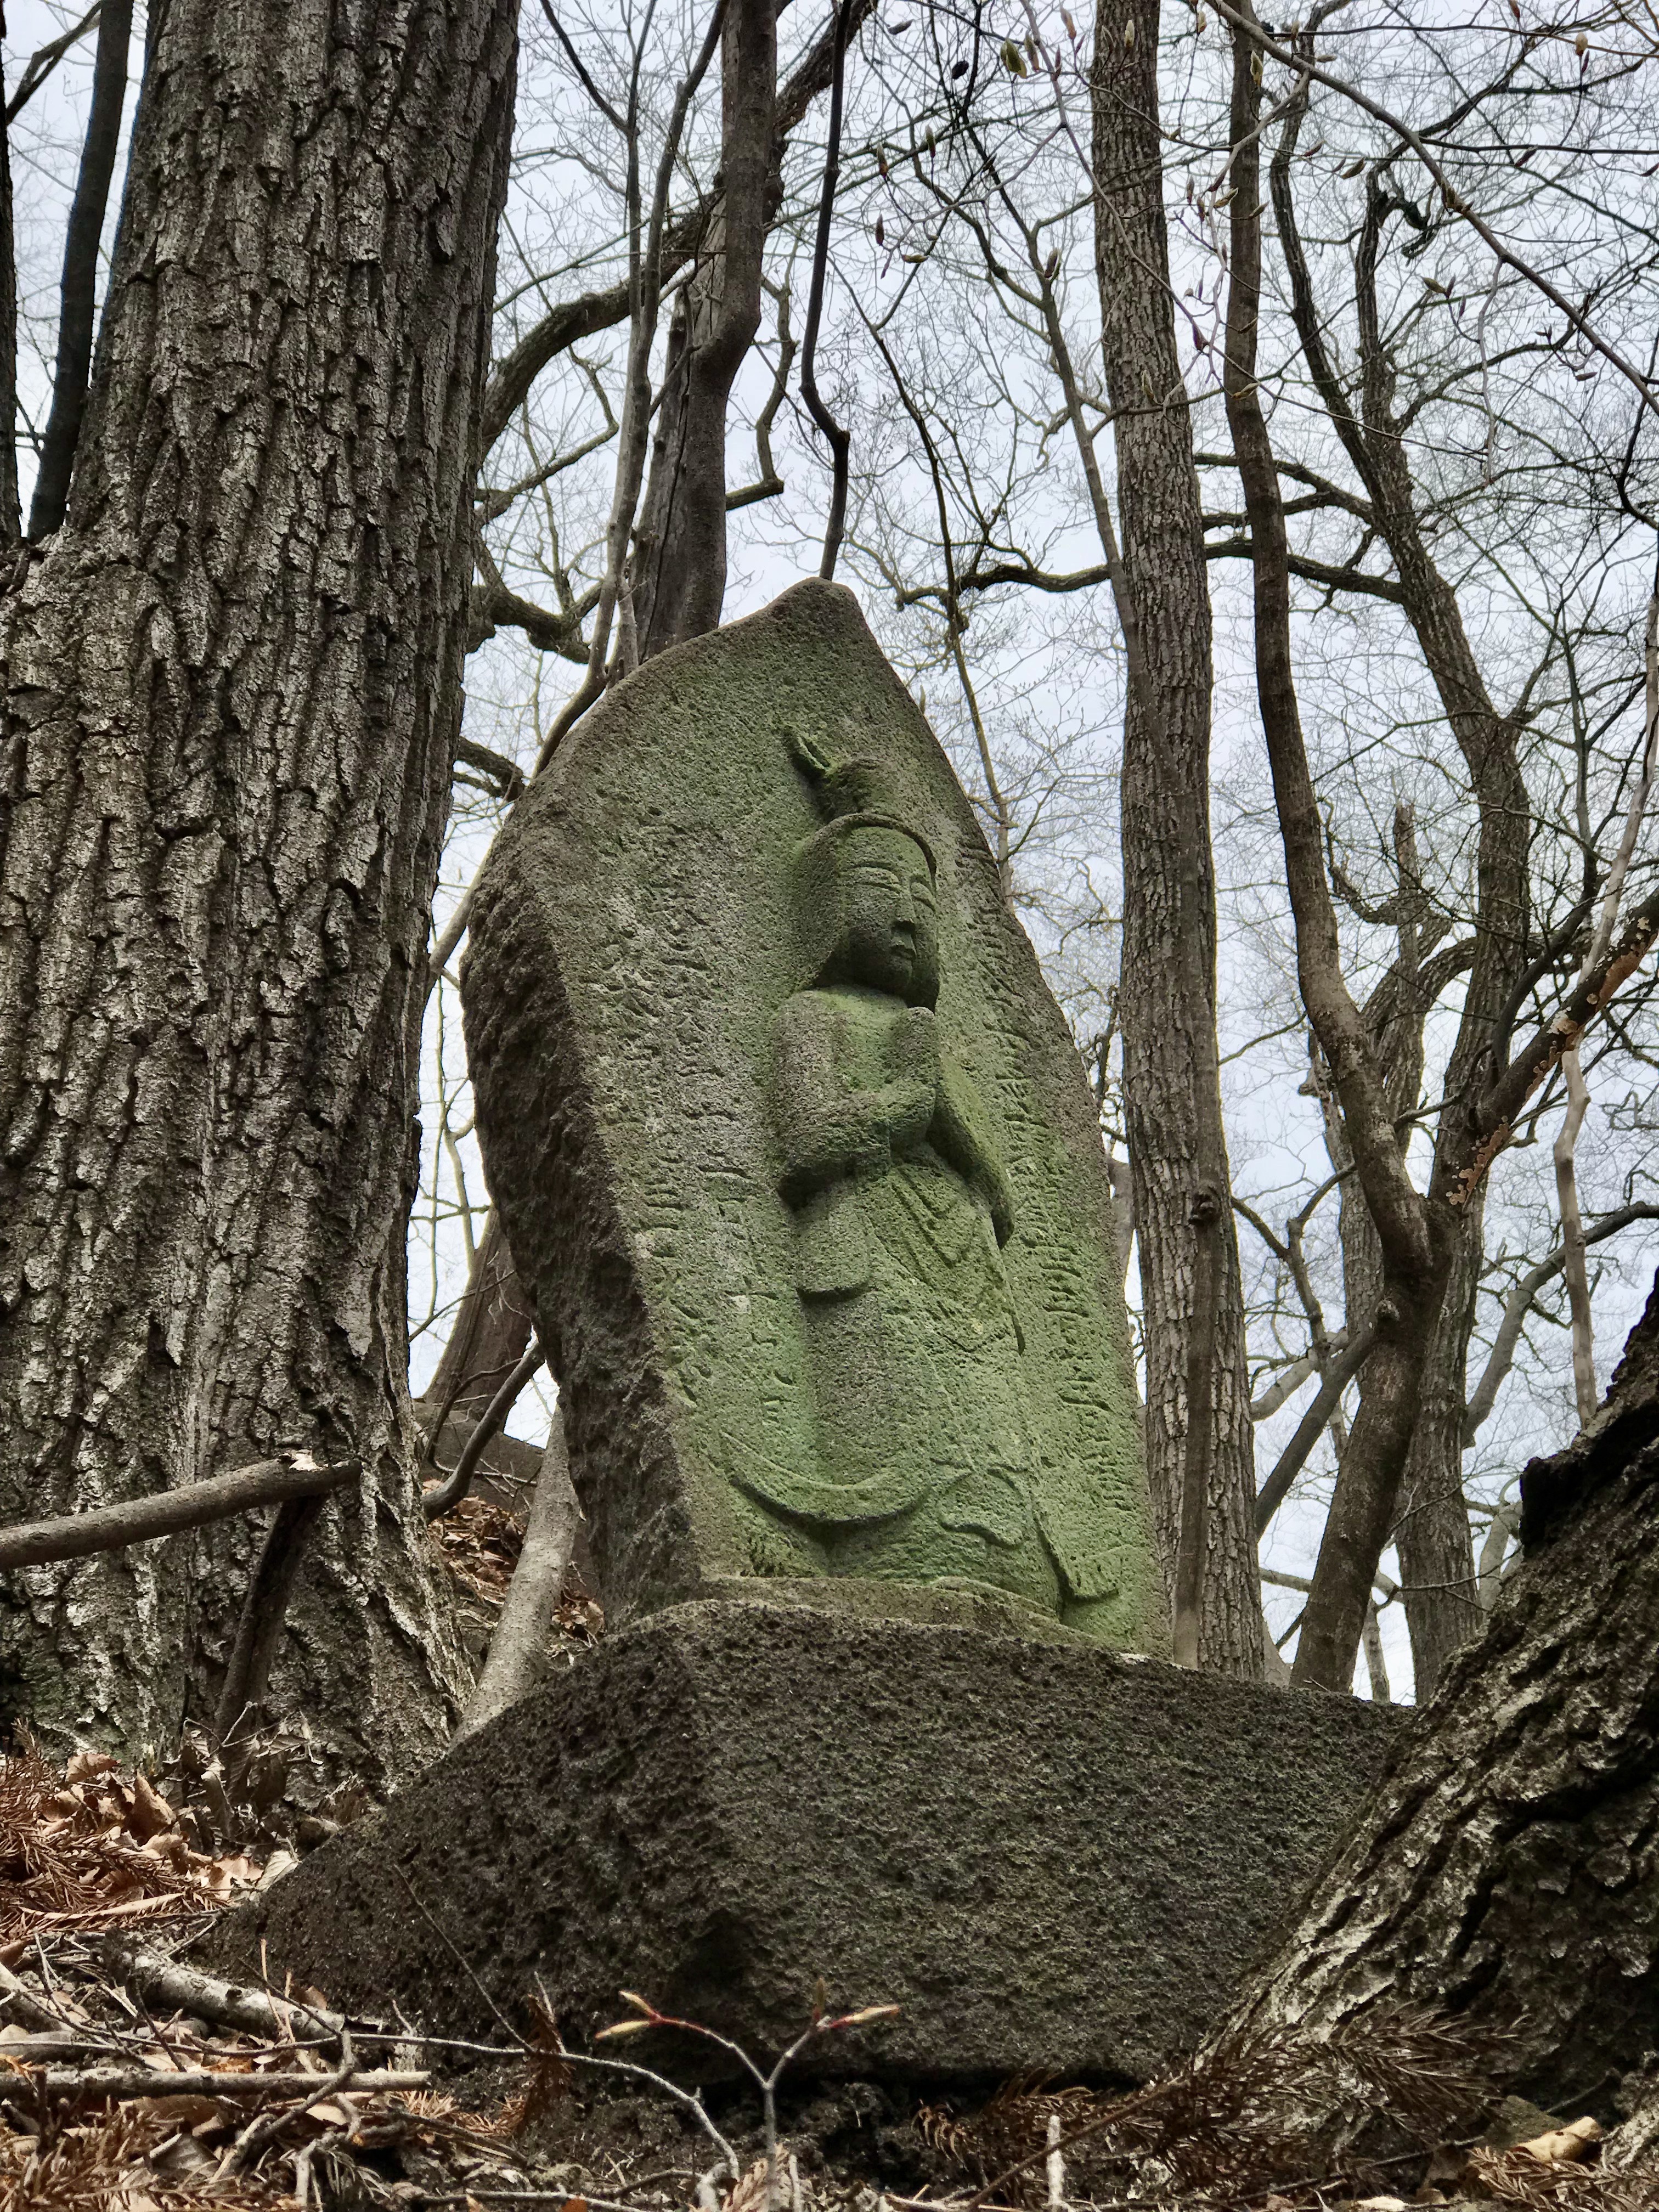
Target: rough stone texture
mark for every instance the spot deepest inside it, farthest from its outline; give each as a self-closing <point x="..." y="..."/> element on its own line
<point x="794" y="1152"/>
<point x="1052" y="1855"/>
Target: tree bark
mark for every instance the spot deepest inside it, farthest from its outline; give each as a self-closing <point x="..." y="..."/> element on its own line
<point x="1505" y="1870"/>
<point x="1431" y="1523"/>
<point x="1166" y="997"/>
<point x="1438" y="1581"/>
<point x="231" y="704"/>
<point x="680" y="556"/>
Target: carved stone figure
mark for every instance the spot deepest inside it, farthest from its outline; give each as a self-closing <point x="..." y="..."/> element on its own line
<point x="923" y="1455"/>
<point x="796" y="1157"/>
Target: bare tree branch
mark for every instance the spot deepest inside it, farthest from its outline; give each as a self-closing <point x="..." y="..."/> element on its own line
<point x="839" y="440"/>
<point x="139" y="1520"/>
<point x="573" y="321"/>
<point x="1518" y="1305"/>
<point x="42" y="62"/>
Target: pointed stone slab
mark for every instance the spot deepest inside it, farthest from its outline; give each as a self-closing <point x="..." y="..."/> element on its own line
<point x="839" y="1381"/>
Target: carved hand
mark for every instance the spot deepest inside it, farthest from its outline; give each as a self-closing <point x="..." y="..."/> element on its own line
<point x="914" y="1058"/>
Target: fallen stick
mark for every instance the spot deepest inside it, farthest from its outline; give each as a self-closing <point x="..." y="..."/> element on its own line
<point x="268" y="2125"/>
<point x="152" y="2081"/>
<point x="512" y="1661"/>
<point x="111" y="1528"/>
<point x="164" y="1981"/>
<point x="32" y="2049"/>
<point x="17" y="1998"/>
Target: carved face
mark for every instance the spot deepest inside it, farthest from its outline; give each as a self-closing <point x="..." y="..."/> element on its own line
<point x="889" y="916"/>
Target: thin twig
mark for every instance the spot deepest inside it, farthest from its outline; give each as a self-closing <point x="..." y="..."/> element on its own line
<point x="447" y="1494"/>
<point x="97" y="2084"/>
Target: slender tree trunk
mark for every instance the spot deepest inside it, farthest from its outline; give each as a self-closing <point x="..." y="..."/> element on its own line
<point x="490" y="1334"/>
<point x="1410" y="1237"/>
<point x="518" y="1650"/>
<point x="1371" y="433"/>
<point x="10" y="517"/>
<point x="77" y="295"/>
<point x="1431" y="1528"/>
<point x="1506" y="1870"/>
<point x="1177" y="1146"/>
<point x="680" y="579"/>
<point x="233" y="697"/>
<point x="681" y="542"/>
<point x="573" y="321"/>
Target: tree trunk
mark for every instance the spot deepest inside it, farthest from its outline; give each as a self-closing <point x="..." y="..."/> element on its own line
<point x="682" y="551"/>
<point x="11" y="524"/>
<point x="233" y="694"/>
<point x="1166" y="997"/>
<point x="1506" y="1870"/>
<point x="1432" y="1524"/>
<point x="1432" y="1527"/>
<point x="1371" y="433"/>
<point x="490" y="1334"/>
<point x="680" y="580"/>
<point x="517" y="1657"/>
<point x="77" y="295"/>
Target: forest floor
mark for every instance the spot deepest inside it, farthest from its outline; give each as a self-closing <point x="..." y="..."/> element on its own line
<point x="131" y="2082"/>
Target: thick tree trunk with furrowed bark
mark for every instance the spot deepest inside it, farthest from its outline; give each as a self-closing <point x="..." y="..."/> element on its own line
<point x="232" y="697"/>
<point x="1166" y="995"/>
<point x="1506" y="1870"/>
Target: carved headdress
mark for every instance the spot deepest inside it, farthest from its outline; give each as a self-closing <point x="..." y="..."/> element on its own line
<point x="860" y="793"/>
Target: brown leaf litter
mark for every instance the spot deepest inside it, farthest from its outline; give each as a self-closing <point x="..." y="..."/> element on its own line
<point x="88" y="1847"/>
<point x="1258" y="2123"/>
<point x="479" y="1542"/>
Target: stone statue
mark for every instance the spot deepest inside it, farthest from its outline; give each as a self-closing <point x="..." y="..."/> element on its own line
<point x="901" y="1209"/>
<point x="796" y="1157"/>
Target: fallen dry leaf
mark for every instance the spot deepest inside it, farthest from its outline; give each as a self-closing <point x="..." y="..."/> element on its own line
<point x="749" y="2195"/>
<point x="1562" y="2145"/>
<point x="151" y="1812"/>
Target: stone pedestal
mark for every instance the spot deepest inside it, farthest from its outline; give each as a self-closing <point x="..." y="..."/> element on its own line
<point x="1052" y="1855"/>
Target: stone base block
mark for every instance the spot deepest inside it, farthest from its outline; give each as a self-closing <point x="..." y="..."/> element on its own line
<point x="1052" y="1856"/>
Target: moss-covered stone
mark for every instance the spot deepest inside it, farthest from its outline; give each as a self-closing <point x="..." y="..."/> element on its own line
<point x="795" y="1154"/>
